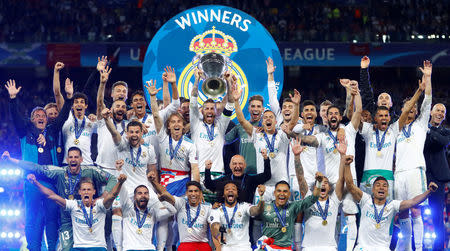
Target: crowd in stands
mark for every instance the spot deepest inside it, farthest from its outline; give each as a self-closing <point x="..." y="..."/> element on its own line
<point x="301" y="20"/>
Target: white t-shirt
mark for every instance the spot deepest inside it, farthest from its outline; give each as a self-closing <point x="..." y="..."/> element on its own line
<point x="239" y="236"/>
<point x="208" y="150"/>
<point x="84" y="144"/>
<point x="107" y="155"/>
<point x="409" y="155"/>
<point x="385" y="161"/>
<point x="309" y="155"/>
<point x="135" y="175"/>
<point x="156" y="211"/>
<point x="317" y="234"/>
<point x="82" y="237"/>
<point x="369" y="235"/>
<point x="332" y="158"/>
<point x="151" y="138"/>
<point x="278" y="163"/>
<point x="187" y="153"/>
<point x="200" y="226"/>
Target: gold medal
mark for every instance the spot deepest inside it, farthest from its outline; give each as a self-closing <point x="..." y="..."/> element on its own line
<point x="324" y="222"/>
<point x="283" y="229"/>
<point x="377" y="225"/>
<point x="59" y="150"/>
<point x="170" y="163"/>
<point x="90" y="229"/>
<point x="190" y="230"/>
<point x="272" y="155"/>
<point x="305" y="149"/>
<point x="229" y="230"/>
<point x="76" y="142"/>
<point x="134" y="169"/>
<point x="379" y="154"/>
<point x="40" y="150"/>
<point x="211" y="143"/>
<point x="408" y="140"/>
<point x="144" y="154"/>
<point x="139" y="231"/>
<point x="335" y="151"/>
<point x="71" y="197"/>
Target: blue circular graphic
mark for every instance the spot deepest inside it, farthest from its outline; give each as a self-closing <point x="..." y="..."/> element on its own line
<point x="220" y="29"/>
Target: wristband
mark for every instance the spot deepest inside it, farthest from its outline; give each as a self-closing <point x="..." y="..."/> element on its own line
<point x="229" y="106"/>
<point x="318" y="184"/>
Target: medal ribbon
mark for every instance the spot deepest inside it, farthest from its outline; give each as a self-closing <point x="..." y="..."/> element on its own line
<point x="122" y="123"/>
<point x="190" y="222"/>
<point x="173" y="152"/>
<point x="282" y="219"/>
<point x="210" y="131"/>
<point x="144" y="118"/>
<point x="242" y="181"/>
<point x="135" y="162"/>
<point x="310" y="132"/>
<point x="79" y="130"/>
<point x="60" y="139"/>
<point x="408" y="133"/>
<point x="229" y="222"/>
<point x="380" y="143"/>
<point x="140" y="222"/>
<point x="378" y="216"/>
<point x="323" y="213"/>
<point x="89" y="218"/>
<point x="44" y="132"/>
<point x="270" y="144"/>
<point x="72" y="186"/>
<point x="335" y="141"/>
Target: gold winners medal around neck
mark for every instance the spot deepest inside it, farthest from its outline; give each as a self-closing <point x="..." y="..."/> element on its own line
<point x="283" y="229"/>
<point x="59" y="150"/>
<point x="90" y="229"/>
<point x="139" y="231"/>
<point x="76" y="141"/>
<point x="408" y="140"/>
<point x="324" y="222"/>
<point x="229" y="230"/>
<point x="71" y="197"/>
<point x="335" y="151"/>
<point x="377" y="226"/>
<point x="190" y="230"/>
<point x="272" y="155"/>
<point x="379" y="154"/>
<point x="40" y="150"/>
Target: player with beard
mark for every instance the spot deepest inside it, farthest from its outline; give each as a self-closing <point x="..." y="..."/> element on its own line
<point x="66" y="180"/>
<point x="208" y="133"/>
<point x="107" y="155"/>
<point x="377" y="212"/>
<point x="328" y="142"/>
<point x="140" y="215"/>
<point x="409" y="176"/>
<point x="234" y="216"/>
<point x="246" y="147"/>
<point x="279" y="215"/>
<point x="139" y="105"/>
<point x="89" y="222"/>
<point x="320" y="219"/>
<point x="192" y="215"/>
<point x="178" y="162"/>
<point x="380" y="141"/>
<point x="436" y="145"/>
<point x="38" y="139"/>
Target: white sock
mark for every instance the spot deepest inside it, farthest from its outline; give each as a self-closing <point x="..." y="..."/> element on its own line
<point x="404" y="243"/>
<point x="418" y="232"/>
<point x="352" y="231"/>
<point x="298" y="236"/>
<point x="117" y="231"/>
<point x="162" y="233"/>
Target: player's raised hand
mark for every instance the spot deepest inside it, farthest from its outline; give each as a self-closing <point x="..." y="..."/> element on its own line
<point x="319" y="176"/>
<point x="151" y="87"/>
<point x="119" y="164"/>
<point x="433" y="187"/>
<point x="169" y="75"/>
<point x="261" y="190"/>
<point x="106" y="113"/>
<point x="348" y="159"/>
<point x="31" y="178"/>
<point x="122" y="178"/>
<point x="427" y="68"/>
<point x="296" y="146"/>
<point x="151" y="176"/>
<point x="6" y="156"/>
<point x="104" y="74"/>
<point x="264" y="153"/>
<point x="11" y="87"/>
<point x="102" y="62"/>
<point x="296" y="98"/>
<point x="68" y="87"/>
<point x="270" y="67"/>
<point x="208" y="164"/>
<point x="365" y="62"/>
<point x="58" y="66"/>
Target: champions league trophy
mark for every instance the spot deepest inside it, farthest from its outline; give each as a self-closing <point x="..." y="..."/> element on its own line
<point x="214" y="66"/>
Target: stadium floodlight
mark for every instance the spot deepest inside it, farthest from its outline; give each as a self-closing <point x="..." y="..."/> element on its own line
<point x="3" y="172"/>
<point x="355" y="41"/>
<point x="427" y="211"/>
<point x="10" y="171"/>
<point x="443" y="36"/>
<point x="3" y="235"/>
<point x="17" y="235"/>
<point x="400" y="235"/>
<point x="420" y="36"/>
<point x="10" y="235"/>
<point x="412" y="36"/>
<point x="2" y="190"/>
<point x="17" y="212"/>
<point x="433" y="235"/>
<point x="17" y="172"/>
<point x="3" y="212"/>
<point x="427" y="235"/>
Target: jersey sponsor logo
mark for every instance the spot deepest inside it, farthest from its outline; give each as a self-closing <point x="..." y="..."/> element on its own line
<point x="146" y="225"/>
<point x="385" y="145"/>
<point x="205" y="135"/>
<point x="196" y="225"/>
<point x="372" y="215"/>
<point x="83" y="221"/>
<point x="235" y="34"/>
